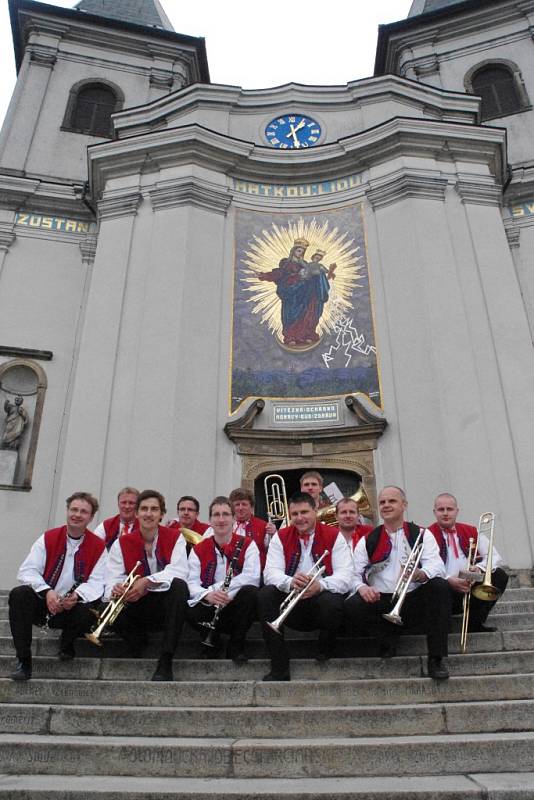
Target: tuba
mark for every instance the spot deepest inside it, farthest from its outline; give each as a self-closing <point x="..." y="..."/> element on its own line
<point x="328" y="516"/>
<point x="276" y="499"/>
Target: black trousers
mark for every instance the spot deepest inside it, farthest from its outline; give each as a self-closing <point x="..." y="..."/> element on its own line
<point x="479" y="609"/>
<point x="235" y="618"/>
<point x="26" y="608"/>
<point x="155" y="611"/>
<point x="428" y="607"/>
<point x="324" y="612"/>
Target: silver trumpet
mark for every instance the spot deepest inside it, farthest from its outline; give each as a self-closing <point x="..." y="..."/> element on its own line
<point x="401" y="589"/>
<point x="295" y="594"/>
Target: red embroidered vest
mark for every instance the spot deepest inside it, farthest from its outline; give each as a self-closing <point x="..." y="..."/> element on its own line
<point x="465" y="532"/>
<point x="85" y="557"/>
<point x="133" y="549"/>
<point x="206" y="554"/>
<point x="324" y="539"/>
<point x="112" y="527"/>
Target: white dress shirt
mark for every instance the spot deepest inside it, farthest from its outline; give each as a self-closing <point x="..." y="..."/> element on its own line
<point x="249" y="576"/>
<point x="32" y="569"/>
<point x="340" y="581"/>
<point x="385" y="577"/>
<point x="161" y="581"/>
<point x="457" y="563"/>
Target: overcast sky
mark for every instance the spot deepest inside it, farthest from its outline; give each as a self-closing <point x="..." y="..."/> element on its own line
<point x="259" y="45"/>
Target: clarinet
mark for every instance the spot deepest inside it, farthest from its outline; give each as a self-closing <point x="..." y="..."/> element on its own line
<point x="46" y="625"/>
<point x="209" y="641"/>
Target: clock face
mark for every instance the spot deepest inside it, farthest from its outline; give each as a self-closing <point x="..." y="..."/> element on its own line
<point x="292" y="131"/>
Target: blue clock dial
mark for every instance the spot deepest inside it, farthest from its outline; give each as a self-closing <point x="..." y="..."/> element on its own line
<point x="293" y="132"/>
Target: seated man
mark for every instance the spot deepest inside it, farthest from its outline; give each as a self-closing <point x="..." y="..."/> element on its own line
<point x="123" y="522"/>
<point x="158" y="598"/>
<point x="292" y="554"/>
<point x="224" y="575"/>
<point x="349" y="521"/>
<point x="62" y="575"/>
<point x="378" y="559"/>
<point x="188" y="509"/>
<point x="453" y="541"/>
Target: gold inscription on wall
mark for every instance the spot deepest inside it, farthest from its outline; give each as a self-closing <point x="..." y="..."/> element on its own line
<point x="62" y="224"/>
<point x="300" y="190"/>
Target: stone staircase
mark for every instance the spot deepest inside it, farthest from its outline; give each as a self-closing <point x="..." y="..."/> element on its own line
<point x="351" y="728"/>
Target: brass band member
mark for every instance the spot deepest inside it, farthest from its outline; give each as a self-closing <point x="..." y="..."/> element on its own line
<point x="123" y="522"/>
<point x="188" y="509"/>
<point x="350" y="522"/>
<point x="158" y="599"/>
<point x="378" y="560"/>
<point x="453" y="542"/>
<point x="208" y="564"/>
<point x="292" y="554"/>
<point x="312" y="483"/>
<point x="62" y="558"/>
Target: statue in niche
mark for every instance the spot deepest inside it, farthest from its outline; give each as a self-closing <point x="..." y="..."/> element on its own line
<point x="16" y="421"/>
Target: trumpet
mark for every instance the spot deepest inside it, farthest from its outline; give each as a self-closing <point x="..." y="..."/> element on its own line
<point x="276" y="499"/>
<point x="401" y="589"/>
<point x="295" y="595"/>
<point x="113" y="609"/>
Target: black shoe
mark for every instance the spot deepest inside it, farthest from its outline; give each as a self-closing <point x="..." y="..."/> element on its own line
<point x="66" y="651"/>
<point x="388" y="649"/>
<point x="163" y="671"/>
<point x="23" y="670"/>
<point x="272" y="676"/>
<point x="236" y="652"/>
<point x="481" y="628"/>
<point x="437" y="668"/>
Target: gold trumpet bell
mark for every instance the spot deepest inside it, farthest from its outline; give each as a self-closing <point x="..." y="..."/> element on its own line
<point x="191" y="537"/>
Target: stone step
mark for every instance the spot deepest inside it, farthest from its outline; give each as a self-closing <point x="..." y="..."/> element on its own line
<point x="276" y="694"/>
<point x="480" y="664"/>
<point x="266" y="758"/>
<point x="475" y="786"/>
<point x="264" y="722"/>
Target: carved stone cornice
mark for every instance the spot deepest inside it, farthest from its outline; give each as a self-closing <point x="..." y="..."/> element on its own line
<point x="399" y="187"/>
<point x="306" y="441"/>
<point x="88" y="249"/>
<point x="477" y="193"/>
<point x="513" y="233"/>
<point x="124" y="204"/>
<point x="191" y="192"/>
<point x="42" y="55"/>
<point x="7" y="236"/>
<point x="161" y="78"/>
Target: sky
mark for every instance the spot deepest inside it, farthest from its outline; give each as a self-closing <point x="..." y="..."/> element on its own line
<point x="256" y="46"/>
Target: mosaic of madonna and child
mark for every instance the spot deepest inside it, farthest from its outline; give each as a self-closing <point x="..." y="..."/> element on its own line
<point x="302" y="316"/>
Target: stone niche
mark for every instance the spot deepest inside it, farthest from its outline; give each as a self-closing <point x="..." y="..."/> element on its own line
<point x="22" y="390"/>
<point x="289" y="443"/>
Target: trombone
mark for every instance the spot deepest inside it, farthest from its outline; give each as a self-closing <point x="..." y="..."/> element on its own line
<point x="276" y="499"/>
<point x="481" y="588"/>
<point x="405" y="578"/>
<point x="113" y="609"/>
<point x="295" y="595"/>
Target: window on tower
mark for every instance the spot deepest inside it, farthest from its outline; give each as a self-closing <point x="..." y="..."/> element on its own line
<point x="89" y="109"/>
<point x="501" y="88"/>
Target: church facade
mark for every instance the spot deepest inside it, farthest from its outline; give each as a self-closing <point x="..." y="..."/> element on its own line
<point x="201" y="285"/>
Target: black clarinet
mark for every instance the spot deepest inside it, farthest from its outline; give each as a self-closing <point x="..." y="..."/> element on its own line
<point x="46" y="625"/>
<point x="209" y="641"/>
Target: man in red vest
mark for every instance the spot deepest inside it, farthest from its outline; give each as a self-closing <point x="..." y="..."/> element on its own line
<point x="188" y="509"/>
<point x="123" y="522"/>
<point x="158" y="598"/>
<point x="293" y="553"/>
<point x="61" y="577"/>
<point x="224" y="574"/>
<point x="453" y="541"/>
<point x="349" y="521"/>
<point x="378" y="563"/>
